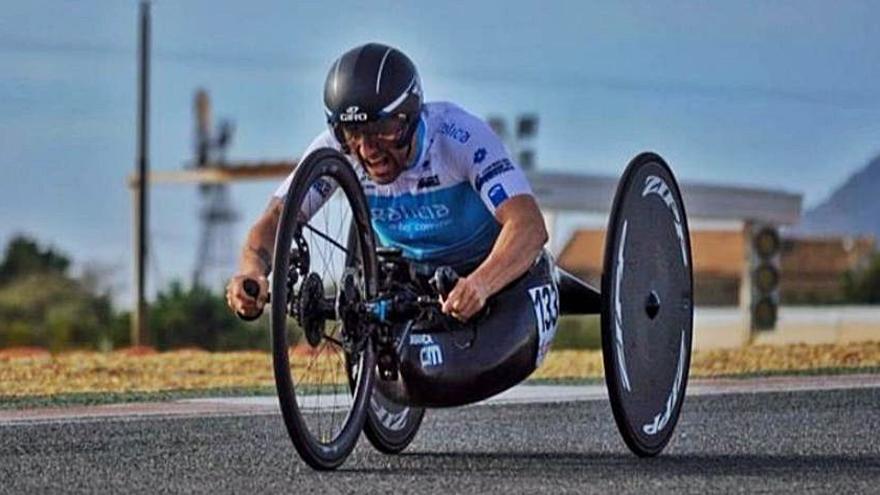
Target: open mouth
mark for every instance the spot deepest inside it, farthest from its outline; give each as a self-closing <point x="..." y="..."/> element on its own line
<point x="380" y="167"/>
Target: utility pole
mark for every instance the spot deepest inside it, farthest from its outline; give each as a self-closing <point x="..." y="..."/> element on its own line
<point x="216" y="252"/>
<point x="139" y="329"/>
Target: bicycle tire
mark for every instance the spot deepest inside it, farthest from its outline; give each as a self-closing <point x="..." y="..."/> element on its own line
<point x="322" y="451"/>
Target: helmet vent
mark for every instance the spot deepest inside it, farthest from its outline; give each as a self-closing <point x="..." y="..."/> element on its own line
<point x="412" y="88"/>
<point x="381" y="66"/>
<point x="336" y="77"/>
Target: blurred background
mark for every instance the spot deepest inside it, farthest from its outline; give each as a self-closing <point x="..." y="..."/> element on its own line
<point x="775" y="99"/>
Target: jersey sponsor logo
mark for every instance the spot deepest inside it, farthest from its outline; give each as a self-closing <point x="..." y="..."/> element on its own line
<point x="545" y="302"/>
<point x="456" y="133"/>
<point x="437" y="211"/>
<point x="365" y="181"/>
<point x="322" y="187"/>
<point x="497" y="168"/>
<point x="479" y="156"/>
<point x="426" y="182"/>
<point x="497" y="195"/>
<point x="353" y="115"/>
<point x="449" y="223"/>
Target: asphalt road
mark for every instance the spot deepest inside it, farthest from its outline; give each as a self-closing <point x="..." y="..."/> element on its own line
<point x="798" y="442"/>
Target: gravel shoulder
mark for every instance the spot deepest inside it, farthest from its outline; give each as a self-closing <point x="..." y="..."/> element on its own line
<point x="39" y="379"/>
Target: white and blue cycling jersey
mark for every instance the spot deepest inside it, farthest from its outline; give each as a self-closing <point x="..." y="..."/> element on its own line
<point x="441" y="209"/>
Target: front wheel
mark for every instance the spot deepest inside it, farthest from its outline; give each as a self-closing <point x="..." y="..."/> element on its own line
<point x="313" y="352"/>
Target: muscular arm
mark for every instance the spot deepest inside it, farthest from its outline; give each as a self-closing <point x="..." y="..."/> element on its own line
<point x="255" y="262"/>
<point x="522" y="236"/>
<point x="256" y="254"/>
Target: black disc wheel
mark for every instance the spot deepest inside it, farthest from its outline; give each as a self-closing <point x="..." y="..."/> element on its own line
<point x="390" y="427"/>
<point x="647" y="305"/>
<point x="313" y="352"/>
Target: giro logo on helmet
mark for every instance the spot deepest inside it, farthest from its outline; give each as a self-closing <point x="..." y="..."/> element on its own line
<point x="352" y="115"/>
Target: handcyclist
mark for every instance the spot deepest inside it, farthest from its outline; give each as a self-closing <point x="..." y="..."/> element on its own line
<point x="440" y="185"/>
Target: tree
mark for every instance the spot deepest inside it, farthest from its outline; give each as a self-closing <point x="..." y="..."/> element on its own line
<point x="863" y="286"/>
<point x="40" y="305"/>
<point x="24" y="257"/>
<point x="183" y="317"/>
<point x="54" y="311"/>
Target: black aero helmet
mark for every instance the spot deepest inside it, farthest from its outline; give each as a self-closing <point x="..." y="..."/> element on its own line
<point x="371" y="83"/>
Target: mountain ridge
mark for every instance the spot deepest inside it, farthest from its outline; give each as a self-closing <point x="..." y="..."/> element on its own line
<point x="853" y="209"/>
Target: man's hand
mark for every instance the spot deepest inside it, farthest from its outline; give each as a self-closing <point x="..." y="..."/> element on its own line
<point x="466" y="299"/>
<point x="240" y="302"/>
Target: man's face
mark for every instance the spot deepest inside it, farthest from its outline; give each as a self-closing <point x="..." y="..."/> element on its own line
<point x="375" y="145"/>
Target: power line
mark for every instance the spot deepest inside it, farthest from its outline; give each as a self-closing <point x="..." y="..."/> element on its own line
<point x="269" y="61"/>
<point x="734" y="92"/>
<point x="571" y="81"/>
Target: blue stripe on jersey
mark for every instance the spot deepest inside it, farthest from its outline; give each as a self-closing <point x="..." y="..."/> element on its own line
<point x="443" y="226"/>
<point x="420" y="142"/>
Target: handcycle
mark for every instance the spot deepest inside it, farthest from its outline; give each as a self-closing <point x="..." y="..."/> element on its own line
<point x="359" y="342"/>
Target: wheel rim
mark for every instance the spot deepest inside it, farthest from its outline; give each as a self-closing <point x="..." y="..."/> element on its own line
<point x="322" y="413"/>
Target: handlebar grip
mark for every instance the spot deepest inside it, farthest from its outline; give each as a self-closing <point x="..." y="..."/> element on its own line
<point x="444" y="280"/>
<point x="252" y="288"/>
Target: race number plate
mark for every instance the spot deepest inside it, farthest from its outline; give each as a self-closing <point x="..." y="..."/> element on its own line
<point x="647" y="306"/>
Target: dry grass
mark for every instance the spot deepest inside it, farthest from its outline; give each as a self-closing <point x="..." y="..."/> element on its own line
<point x="748" y="360"/>
<point x="37" y="373"/>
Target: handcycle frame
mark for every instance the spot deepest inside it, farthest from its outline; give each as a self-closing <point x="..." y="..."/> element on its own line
<point x="380" y="307"/>
<point x="406" y="310"/>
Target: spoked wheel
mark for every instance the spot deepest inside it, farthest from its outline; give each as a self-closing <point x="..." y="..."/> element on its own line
<point x="390" y="427"/>
<point x="318" y="338"/>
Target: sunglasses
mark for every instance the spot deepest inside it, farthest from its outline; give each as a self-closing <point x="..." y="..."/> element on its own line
<point x="380" y="130"/>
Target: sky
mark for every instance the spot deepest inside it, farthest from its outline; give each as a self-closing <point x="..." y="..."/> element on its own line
<point x="770" y="94"/>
